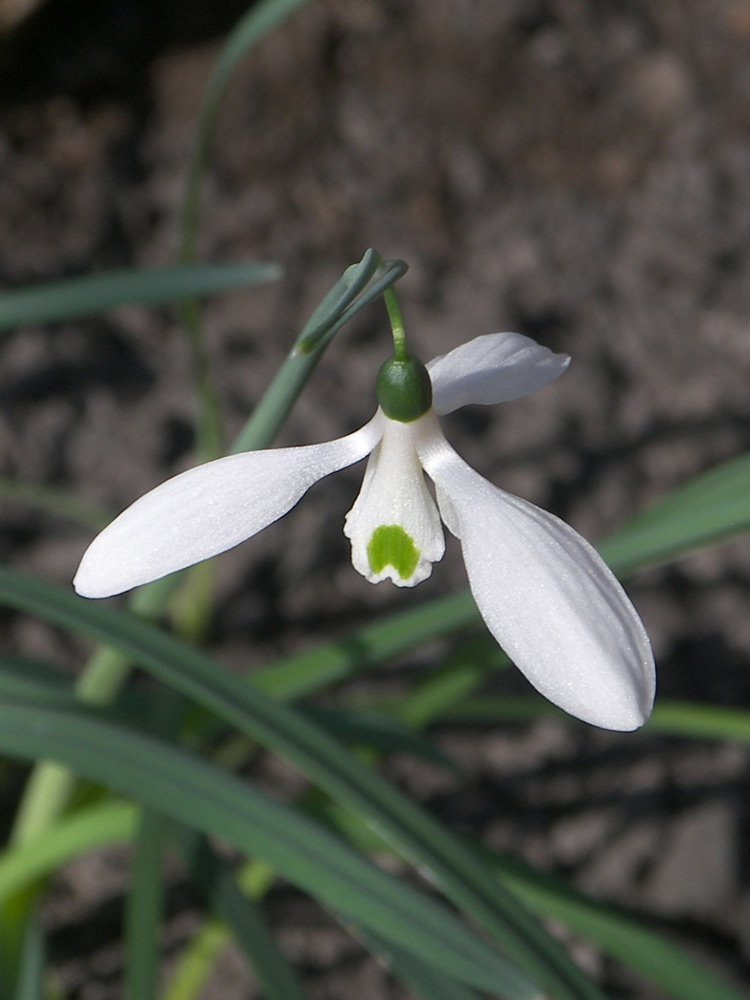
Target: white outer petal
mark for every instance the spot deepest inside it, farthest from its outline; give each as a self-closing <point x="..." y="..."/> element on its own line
<point x="394" y="492"/>
<point x="495" y="368"/>
<point x="548" y="598"/>
<point x="210" y="509"/>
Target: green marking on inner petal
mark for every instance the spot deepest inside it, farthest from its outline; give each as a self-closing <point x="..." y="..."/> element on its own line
<point x="391" y="546"/>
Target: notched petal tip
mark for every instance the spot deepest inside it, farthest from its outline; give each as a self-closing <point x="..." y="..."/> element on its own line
<point x="392" y="554"/>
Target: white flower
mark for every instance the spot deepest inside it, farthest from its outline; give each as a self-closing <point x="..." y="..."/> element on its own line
<point x="543" y="592"/>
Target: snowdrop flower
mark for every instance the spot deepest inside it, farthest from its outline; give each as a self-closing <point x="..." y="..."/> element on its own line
<point x="543" y="592"/>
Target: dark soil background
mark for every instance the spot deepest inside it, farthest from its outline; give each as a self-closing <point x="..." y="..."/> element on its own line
<point x="577" y="170"/>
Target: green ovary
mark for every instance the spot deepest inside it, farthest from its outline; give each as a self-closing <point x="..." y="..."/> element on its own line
<point x="391" y="546"/>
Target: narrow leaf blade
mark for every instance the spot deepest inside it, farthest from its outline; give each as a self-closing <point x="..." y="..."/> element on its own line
<point x="54" y="302"/>
<point x="199" y="795"/>
<point x="145" y="907"/>
<point x="709" y="509"/>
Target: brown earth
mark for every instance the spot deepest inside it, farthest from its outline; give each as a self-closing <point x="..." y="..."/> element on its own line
<point x="573" y="169"/>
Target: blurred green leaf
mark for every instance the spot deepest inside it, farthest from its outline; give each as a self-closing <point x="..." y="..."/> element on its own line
<point x="259" y="21"/>
<point x="475" y="659"/>
<point x="55" y="501"/>
<point x="627" y="940"/>
<point x="709" y="509"/>
<point x="673" y="718"/>
<point x="93" y="827"/>
<point x="226" y="900"/>
<point x="207" y="799"/>
<point x="294" y="677"/>
<point x="423" y="979"/>
<point x="616" y="934"/>
<point x="21" y="676"/>
<point x="74" y="298"/>
<point x="197" y="960"/>
<point x="144" y="910"/>
<point x="376" y="731"/>
<point x="700" y="722"/>
<point x="33" y="961"/>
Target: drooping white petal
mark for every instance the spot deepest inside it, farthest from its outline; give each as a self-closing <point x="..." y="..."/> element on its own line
<point x="547" y="597"/>
<point x="210" y="509"/>
<point x="495" y="368"/>
<point x="394" y="525"/>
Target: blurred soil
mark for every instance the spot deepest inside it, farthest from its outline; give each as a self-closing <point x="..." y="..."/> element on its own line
<point x="577" y="170"/>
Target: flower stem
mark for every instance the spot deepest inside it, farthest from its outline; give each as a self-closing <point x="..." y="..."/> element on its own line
<point x="397" y="325"/>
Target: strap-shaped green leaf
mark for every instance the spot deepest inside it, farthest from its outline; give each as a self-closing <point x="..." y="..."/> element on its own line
<point x="422" y="979"/>
<point x="32" y="964"/>
<point x="625" y="939"/>
<point x="145" y="908"/>
<point x="93" y="827"/>
<point x="710" y="508"/>
<point x="617" y="934"/>
<point x="242" y="915"/>
<point x="211" y="801"/>
<point x="73" y="298"/>
<point x="674" y="718"/>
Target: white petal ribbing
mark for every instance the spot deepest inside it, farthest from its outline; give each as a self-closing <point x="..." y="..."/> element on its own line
<point x="395" y="495"/>
<point x="210" y="509"/>
<point x="547" y="597"/>
<point x="495" y="368"/>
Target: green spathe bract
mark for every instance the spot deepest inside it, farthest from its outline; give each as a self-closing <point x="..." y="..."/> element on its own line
<point x="390" y="545"/>
<point x="404" y="389"/>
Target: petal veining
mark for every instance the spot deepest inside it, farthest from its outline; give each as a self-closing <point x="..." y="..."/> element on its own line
<point x="394" y="525"/>
<point x="210" y="509"/>
<point x="548" y="598"/>
<point x="495" y="368"/>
